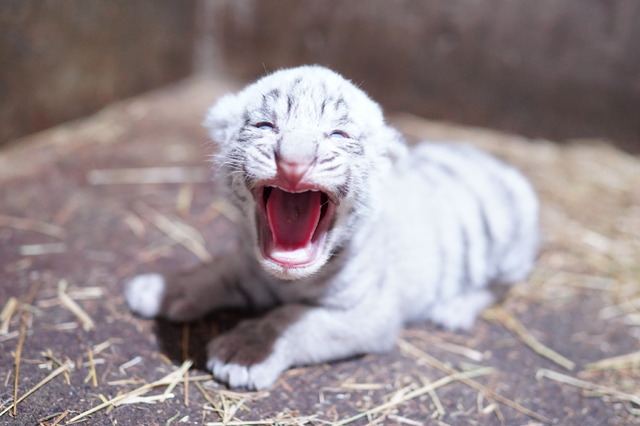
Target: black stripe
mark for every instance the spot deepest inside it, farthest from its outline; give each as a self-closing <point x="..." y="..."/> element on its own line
<point x="516" y="219"/>
<point x="273" y="94"/>
<point x="266" y="111"/>
<point x="486" y="230"/>
<point x="344" y="120"/>
<point x="343" y="188"/>
<point x="244" y="139"/>
<point x="240" y="197"/>
<point x="340" y="102"/>
<point x="289" y="104"/>
<point x="328" y="159"/>
<point x="465" y="273"/>
<point x="245" y="175"/>
<point x="323" y="106"/>
<point x="353" y="147"/>
<point x="325" y="97"/>
<point x="264" y="150"/>
<point x="277" y="147"/>
<point x="466" y="256"/>
<point x="330" y="168"/>
<point x="441" y="262"/>
<point x="481" y="206"/>
<point x="263" y="162"/>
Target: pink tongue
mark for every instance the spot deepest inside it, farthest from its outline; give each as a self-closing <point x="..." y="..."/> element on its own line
<point x="293" y="217"/>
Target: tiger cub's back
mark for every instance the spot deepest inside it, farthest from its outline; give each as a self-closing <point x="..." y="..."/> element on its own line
<point x="462" y="219"/>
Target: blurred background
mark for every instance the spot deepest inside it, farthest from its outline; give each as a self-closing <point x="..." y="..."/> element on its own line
<point x="119" y="185"/>
<point x="555" y="69"/>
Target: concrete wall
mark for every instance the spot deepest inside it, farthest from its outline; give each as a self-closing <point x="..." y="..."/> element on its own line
<point x="61" y="59"/>
<point x="547" y="68"/>
<point x="559" y="69"/>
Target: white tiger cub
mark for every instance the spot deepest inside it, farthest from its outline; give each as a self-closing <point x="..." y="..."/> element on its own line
<point x="347" y="234"/>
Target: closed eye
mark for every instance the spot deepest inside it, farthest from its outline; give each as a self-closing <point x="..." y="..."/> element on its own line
<point x="265" y="125"/>
<point x="339" y="134"/>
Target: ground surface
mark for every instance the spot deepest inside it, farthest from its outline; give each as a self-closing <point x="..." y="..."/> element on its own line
<point x="70" y="232"/>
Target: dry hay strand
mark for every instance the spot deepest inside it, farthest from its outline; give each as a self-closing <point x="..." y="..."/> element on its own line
<point x="434" y="340"/>
<point x="10" y="308"/>
<point x="231" y="402"/>
<point x="184" y="199"/>
<point x="221" y="207"/>
<point x="583" y="384"/>
<point x="64" y="368"/>
<point x="93" y="376"/>
<point x="16" y="364"/>
<point x="616" y="362"/>
<point x="73" y="307"/>
<point x="362" y="386"/>
<point x="178" y="231"/>
<point x="48" y="354"/>
<point x="511" y="323"/>
<point x="421" y="355"/>
<point x="402" y="396"/>
<point x="186" y="330"/>
<point x="21" y="338"/>
<point x="25" y="224"/>
<point x="132" y="362"/>
<point x="282" y="420"/>
<point x="135" y="396"/>
<point x="42" y="249"/>
<point x="440" y="411"/>
<point x="226" y="410"/>
<point x="148" y="175"/>
<point x="58" y="417"/>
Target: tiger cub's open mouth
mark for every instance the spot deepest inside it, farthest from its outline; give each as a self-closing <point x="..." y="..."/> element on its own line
<point x="292" y="226"/>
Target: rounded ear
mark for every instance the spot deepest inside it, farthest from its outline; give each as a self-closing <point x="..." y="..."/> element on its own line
<point x="224" y="118"/>
<point x="391" y="143"/>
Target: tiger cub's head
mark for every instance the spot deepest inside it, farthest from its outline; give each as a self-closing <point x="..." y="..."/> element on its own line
<point x="301" y="150"/>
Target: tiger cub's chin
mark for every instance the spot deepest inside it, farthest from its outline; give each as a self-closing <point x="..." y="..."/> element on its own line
<point x="288" y="272"/>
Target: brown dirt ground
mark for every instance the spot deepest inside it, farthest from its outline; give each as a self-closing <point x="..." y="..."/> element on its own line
<point x="69" y="236"/>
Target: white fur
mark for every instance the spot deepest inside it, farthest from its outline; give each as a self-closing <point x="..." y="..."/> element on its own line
<point x="254" y="377"/>
<point x="417" y="234"/>
<point x="461" y="311"/>
<point x="144" y="294"/>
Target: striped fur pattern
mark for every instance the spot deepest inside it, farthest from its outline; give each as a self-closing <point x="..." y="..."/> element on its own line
<point x="403" y="234"/>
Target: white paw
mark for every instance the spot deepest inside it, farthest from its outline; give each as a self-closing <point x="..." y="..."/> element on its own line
<point x="252" y="355"/>
<point x="253" y="377"/>
<point x="461" y="312"/>
<point x="144" y="294"/>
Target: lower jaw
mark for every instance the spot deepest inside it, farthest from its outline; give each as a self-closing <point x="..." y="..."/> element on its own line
<point x="299" y="258"/>
<point x="287" y="271"/>
<point x="290" y="264"/>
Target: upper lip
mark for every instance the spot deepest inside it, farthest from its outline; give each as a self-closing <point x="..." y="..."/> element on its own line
<point x="258" y="190"/>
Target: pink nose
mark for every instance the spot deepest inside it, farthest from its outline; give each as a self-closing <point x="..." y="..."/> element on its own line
<point x="292" y="172"/>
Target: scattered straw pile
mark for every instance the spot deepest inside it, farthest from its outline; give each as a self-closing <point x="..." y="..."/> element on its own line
<point x="591" y="219"/>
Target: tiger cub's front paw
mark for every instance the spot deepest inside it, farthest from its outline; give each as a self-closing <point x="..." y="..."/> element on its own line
<point x="249" y="356"/>
<point x="144" y="294"/>
<point x="153" y="295"/>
